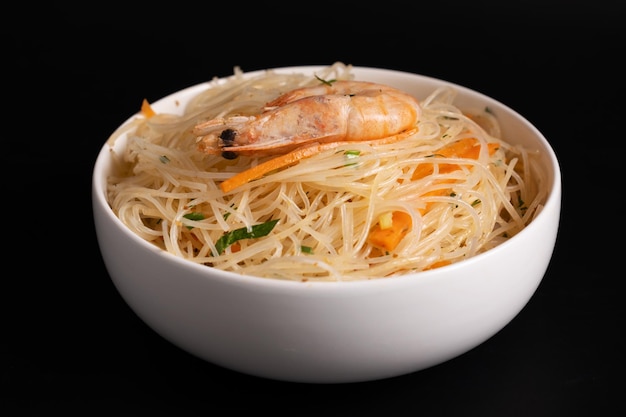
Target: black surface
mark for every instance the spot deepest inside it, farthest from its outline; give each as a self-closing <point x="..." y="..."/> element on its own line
<point x="69" y="343"/>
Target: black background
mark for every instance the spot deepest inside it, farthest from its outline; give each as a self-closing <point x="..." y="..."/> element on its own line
<point x="70" y="345"/>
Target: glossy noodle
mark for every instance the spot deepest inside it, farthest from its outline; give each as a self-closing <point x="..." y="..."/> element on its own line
<point x="442" y="192"/>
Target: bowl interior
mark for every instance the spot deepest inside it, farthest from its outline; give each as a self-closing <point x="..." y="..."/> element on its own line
<point x="515" y="129"/>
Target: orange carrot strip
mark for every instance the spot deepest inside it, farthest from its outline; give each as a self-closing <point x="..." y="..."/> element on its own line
<point x="146" y="109"/>
<point x="294" y="157"/>
<point x="387" y="239"/>
<point x="439" y="192"/>
<point x="438" y="264"/>
<point x="281" y="161"/>
<point x="464" y="148"/>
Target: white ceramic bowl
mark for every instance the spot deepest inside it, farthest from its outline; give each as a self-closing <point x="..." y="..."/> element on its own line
<point x="325" y="332"/>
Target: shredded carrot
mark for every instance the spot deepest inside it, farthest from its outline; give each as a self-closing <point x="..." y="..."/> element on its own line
<point x="146" y="109"/>
<point x="388" y="239"/>
<point x="266" y="167"/>
<point x="465" y="148"/>
<point x="438" y="264"/>
<point x="439" y="192"/>
<point x="294" y="157"/>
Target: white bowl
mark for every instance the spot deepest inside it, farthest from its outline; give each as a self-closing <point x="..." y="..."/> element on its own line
<point x="334" y="332"/>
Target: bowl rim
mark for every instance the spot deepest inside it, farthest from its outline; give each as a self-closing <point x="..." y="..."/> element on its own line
<point x="98" y="184"/>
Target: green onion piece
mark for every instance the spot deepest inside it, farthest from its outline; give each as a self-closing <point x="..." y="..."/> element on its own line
<point x="258" y="230"/>
<point x="351" y="154"/>
<point x="193" y="216"/>
<point x="227" y="214"/>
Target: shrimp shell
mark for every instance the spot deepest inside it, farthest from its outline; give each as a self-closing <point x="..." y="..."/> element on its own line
<point x="339" y="111"/>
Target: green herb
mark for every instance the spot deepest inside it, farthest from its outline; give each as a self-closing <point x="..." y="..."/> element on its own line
<point x="327" y="82"/>
<point x="475" y="202"/>
<point x="258" y="230"/>
<point x="351" y="154"/>
<point x="164" y="159"/>
<point x="306" y="249"/>
<point x="228" y="213"/>
<point x="193" y="216"/>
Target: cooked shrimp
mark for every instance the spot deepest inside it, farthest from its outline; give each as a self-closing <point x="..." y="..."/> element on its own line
<point x="341" y="111"/>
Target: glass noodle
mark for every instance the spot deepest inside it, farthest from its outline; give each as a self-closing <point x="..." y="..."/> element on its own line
<point x="168" y="192"/>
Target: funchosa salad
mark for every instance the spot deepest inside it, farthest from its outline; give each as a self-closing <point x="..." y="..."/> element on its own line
<point x="321" y="177"/>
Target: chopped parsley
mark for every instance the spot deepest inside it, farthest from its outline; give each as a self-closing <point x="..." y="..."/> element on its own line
<point x="193" y="216"/>
<point x="351" y="154"/>
<point x="258" y="230"/>
<point x="323" y="81"/>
